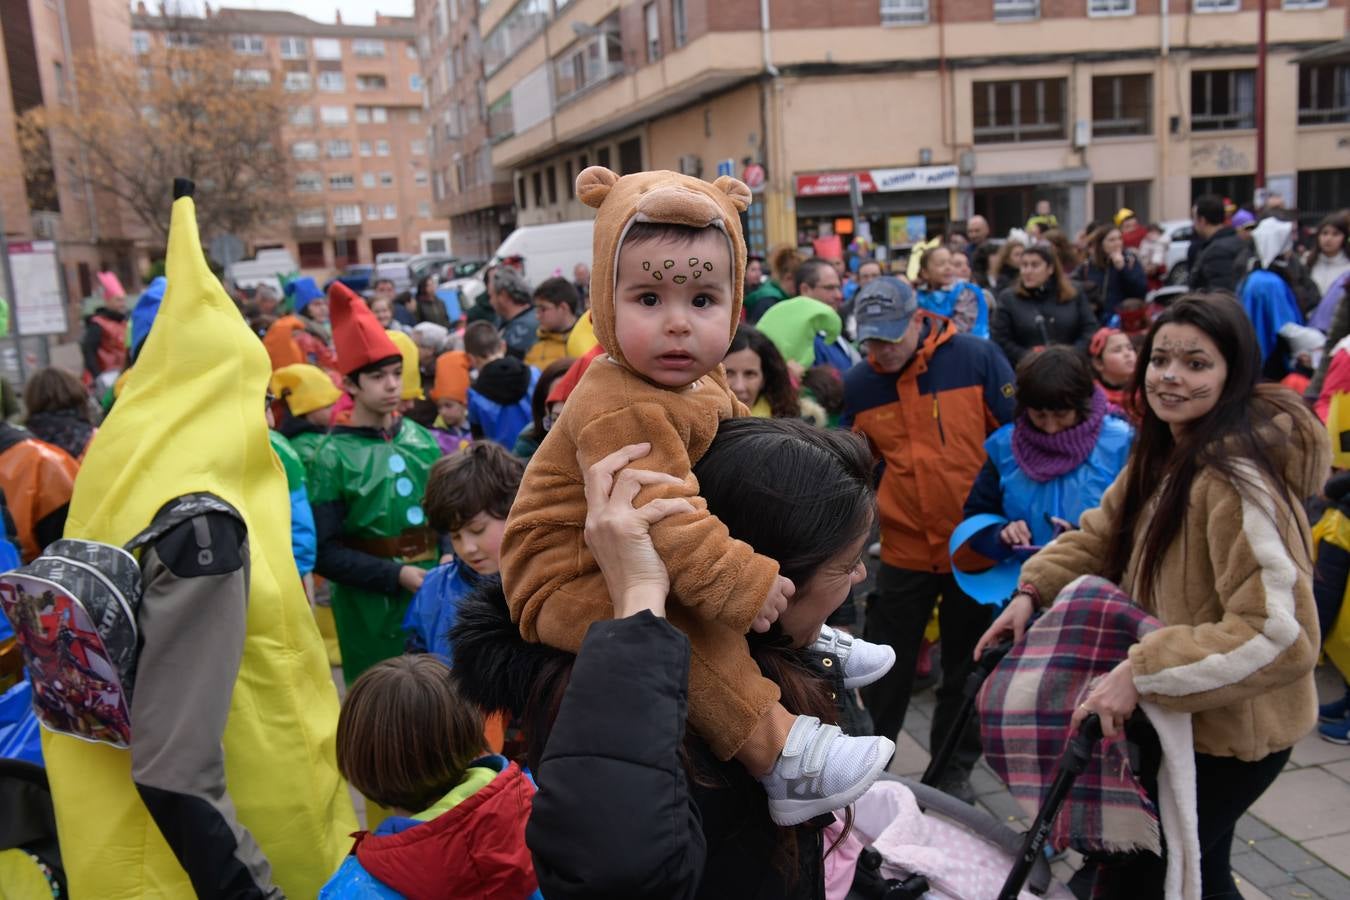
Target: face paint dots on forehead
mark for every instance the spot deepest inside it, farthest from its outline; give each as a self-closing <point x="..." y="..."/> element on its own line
<point x="649" y="266"/>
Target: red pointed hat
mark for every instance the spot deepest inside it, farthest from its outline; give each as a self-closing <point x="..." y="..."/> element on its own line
<point x="359" y="337"/>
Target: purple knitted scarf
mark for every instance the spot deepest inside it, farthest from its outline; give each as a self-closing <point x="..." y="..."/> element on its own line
<point x="1045" y="457"/>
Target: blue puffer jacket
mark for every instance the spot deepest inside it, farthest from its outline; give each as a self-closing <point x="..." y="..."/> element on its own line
<point x="499" y="401"/>
<point x="435" y="608"/>
<point x="1004" y="489"/>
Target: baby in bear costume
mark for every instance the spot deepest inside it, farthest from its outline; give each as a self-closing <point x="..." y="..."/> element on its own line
<point x="666" y="291"/>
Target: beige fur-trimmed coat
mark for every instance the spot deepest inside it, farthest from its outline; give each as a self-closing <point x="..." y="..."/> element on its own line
<point x="1234" y="592"/>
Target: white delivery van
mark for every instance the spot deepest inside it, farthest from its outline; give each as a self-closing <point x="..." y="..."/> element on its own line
<point x="248" y="274"/>
<point x="549" y="250"/>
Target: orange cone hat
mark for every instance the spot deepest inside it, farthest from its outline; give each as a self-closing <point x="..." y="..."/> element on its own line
<point x="452" y="377"/>
<point x="357" y="333"/>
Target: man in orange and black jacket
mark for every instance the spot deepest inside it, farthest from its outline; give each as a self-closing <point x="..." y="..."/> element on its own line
<point x="925" y="398"/>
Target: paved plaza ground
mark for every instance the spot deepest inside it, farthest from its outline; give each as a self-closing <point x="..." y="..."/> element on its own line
<point x="1294" y="843"/>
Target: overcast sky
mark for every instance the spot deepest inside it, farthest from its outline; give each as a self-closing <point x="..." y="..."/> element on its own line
<point x="354" y="12"/>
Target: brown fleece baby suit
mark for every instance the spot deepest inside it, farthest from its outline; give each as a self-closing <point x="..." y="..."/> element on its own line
<point x="553" y="585"/>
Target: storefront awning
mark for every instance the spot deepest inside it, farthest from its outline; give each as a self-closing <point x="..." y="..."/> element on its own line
<point x="876" y="181"/>
<point x="1335" y="52"/>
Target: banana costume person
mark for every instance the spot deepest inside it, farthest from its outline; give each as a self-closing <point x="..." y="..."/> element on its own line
<point x="230" y="787"/>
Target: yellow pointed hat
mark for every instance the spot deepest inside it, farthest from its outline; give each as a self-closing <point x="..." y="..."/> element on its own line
<point x="412" y="375"/>
<point x="190" y="416"/>
<point x="304" y="388"/>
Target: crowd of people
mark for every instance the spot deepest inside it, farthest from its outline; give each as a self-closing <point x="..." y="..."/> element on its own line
<point x="541" y="533"/>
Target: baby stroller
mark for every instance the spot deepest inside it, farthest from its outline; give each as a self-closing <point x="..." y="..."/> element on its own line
<point x="1087" y="631"/>
<point x="1027" y="866"/>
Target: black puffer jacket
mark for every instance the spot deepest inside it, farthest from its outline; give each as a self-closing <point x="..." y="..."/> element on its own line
<point x="617" y="814"/>
<point x="1213" y="262"/>
<point x="1016" y="328"/>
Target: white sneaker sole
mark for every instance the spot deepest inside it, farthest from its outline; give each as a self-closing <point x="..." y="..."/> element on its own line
<point x="873" y="676"/>
<point x="789" y="811"/>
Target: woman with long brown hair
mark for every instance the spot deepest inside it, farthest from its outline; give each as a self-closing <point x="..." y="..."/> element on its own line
<point x="1007" y="262"/>
<point x="758" y="375"/>
<point x="1205" y="528"/>
<point x="1041" y="308"/>
<point x="1111" y="273"/>
<point x="1330" y="259"/>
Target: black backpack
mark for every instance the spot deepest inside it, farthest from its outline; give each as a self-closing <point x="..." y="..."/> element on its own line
<point x="74" y="612"/>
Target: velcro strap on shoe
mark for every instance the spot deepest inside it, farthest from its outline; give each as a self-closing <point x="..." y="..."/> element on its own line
<point x="843" y="643"/>
<point x="799" y="736"/>
<point x="814" y="763"/>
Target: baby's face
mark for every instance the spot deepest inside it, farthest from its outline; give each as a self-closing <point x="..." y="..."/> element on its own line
<point x="672" y="307"/>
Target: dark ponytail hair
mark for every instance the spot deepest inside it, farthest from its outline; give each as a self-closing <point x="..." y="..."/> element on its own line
<point x="790" y="490"/>
<point x="783" y="400"/>
<point x="1229" y="439"/>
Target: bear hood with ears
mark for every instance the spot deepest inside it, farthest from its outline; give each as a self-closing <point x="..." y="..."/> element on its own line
<point x="665" y="198"/>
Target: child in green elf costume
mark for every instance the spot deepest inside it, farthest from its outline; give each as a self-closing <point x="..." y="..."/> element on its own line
<point x="366" y="483"/>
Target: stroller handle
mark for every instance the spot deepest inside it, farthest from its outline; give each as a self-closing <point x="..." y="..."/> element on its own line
<point x="1071" y="765"/>
<point x="992" y="656"/>
<point x="988" y="661"/>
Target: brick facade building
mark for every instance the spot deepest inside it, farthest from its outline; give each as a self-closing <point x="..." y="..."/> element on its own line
<point x="943" y="108"/>
<point x="357" y="137"/>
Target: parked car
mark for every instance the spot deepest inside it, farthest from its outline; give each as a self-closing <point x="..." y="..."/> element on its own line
<point x="427" y="263"/>
<point x="396" y="272"/>
<point x="356" y="276"/>
<point x="1178" y="233"/>
<point x="251" y="274"/>
<point x="462" y="268"/>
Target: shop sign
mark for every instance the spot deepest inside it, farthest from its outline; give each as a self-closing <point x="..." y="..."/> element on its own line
<point x="754" y="177"/>
<point x="874" y="181"/>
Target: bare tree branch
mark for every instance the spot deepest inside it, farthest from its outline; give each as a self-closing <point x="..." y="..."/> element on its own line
<point x="180" y="111"/>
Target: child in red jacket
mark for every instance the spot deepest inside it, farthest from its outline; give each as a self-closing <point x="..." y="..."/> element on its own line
<point x="409" y="742"/>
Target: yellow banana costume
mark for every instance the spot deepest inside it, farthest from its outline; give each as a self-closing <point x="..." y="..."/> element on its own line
<point x="191" y="420"/>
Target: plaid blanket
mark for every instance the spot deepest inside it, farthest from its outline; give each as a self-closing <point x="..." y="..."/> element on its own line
<point x="1027" y="703"/>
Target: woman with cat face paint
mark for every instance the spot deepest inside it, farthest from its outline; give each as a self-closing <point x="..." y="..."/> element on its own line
<point x="1205" y="529"/>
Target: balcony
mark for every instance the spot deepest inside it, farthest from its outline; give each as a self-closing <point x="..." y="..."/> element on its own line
<point x="608" y="98"/>
<point x="480" y="196"/>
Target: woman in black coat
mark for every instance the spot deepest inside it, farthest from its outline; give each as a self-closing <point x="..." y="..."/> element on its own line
<point x="629" y="805"/>
<point x="1041" y="308"/>
<point x="1111" y="274"/>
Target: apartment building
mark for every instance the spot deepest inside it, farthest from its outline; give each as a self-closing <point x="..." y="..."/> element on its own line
<point x="38" y="41"/>
<point x="938" y="108"/>
<point x="357" y="135"/>
<point x="466" y="188"/>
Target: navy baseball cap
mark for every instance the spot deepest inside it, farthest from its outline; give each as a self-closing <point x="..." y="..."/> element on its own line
<point x="883" y="309"/>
